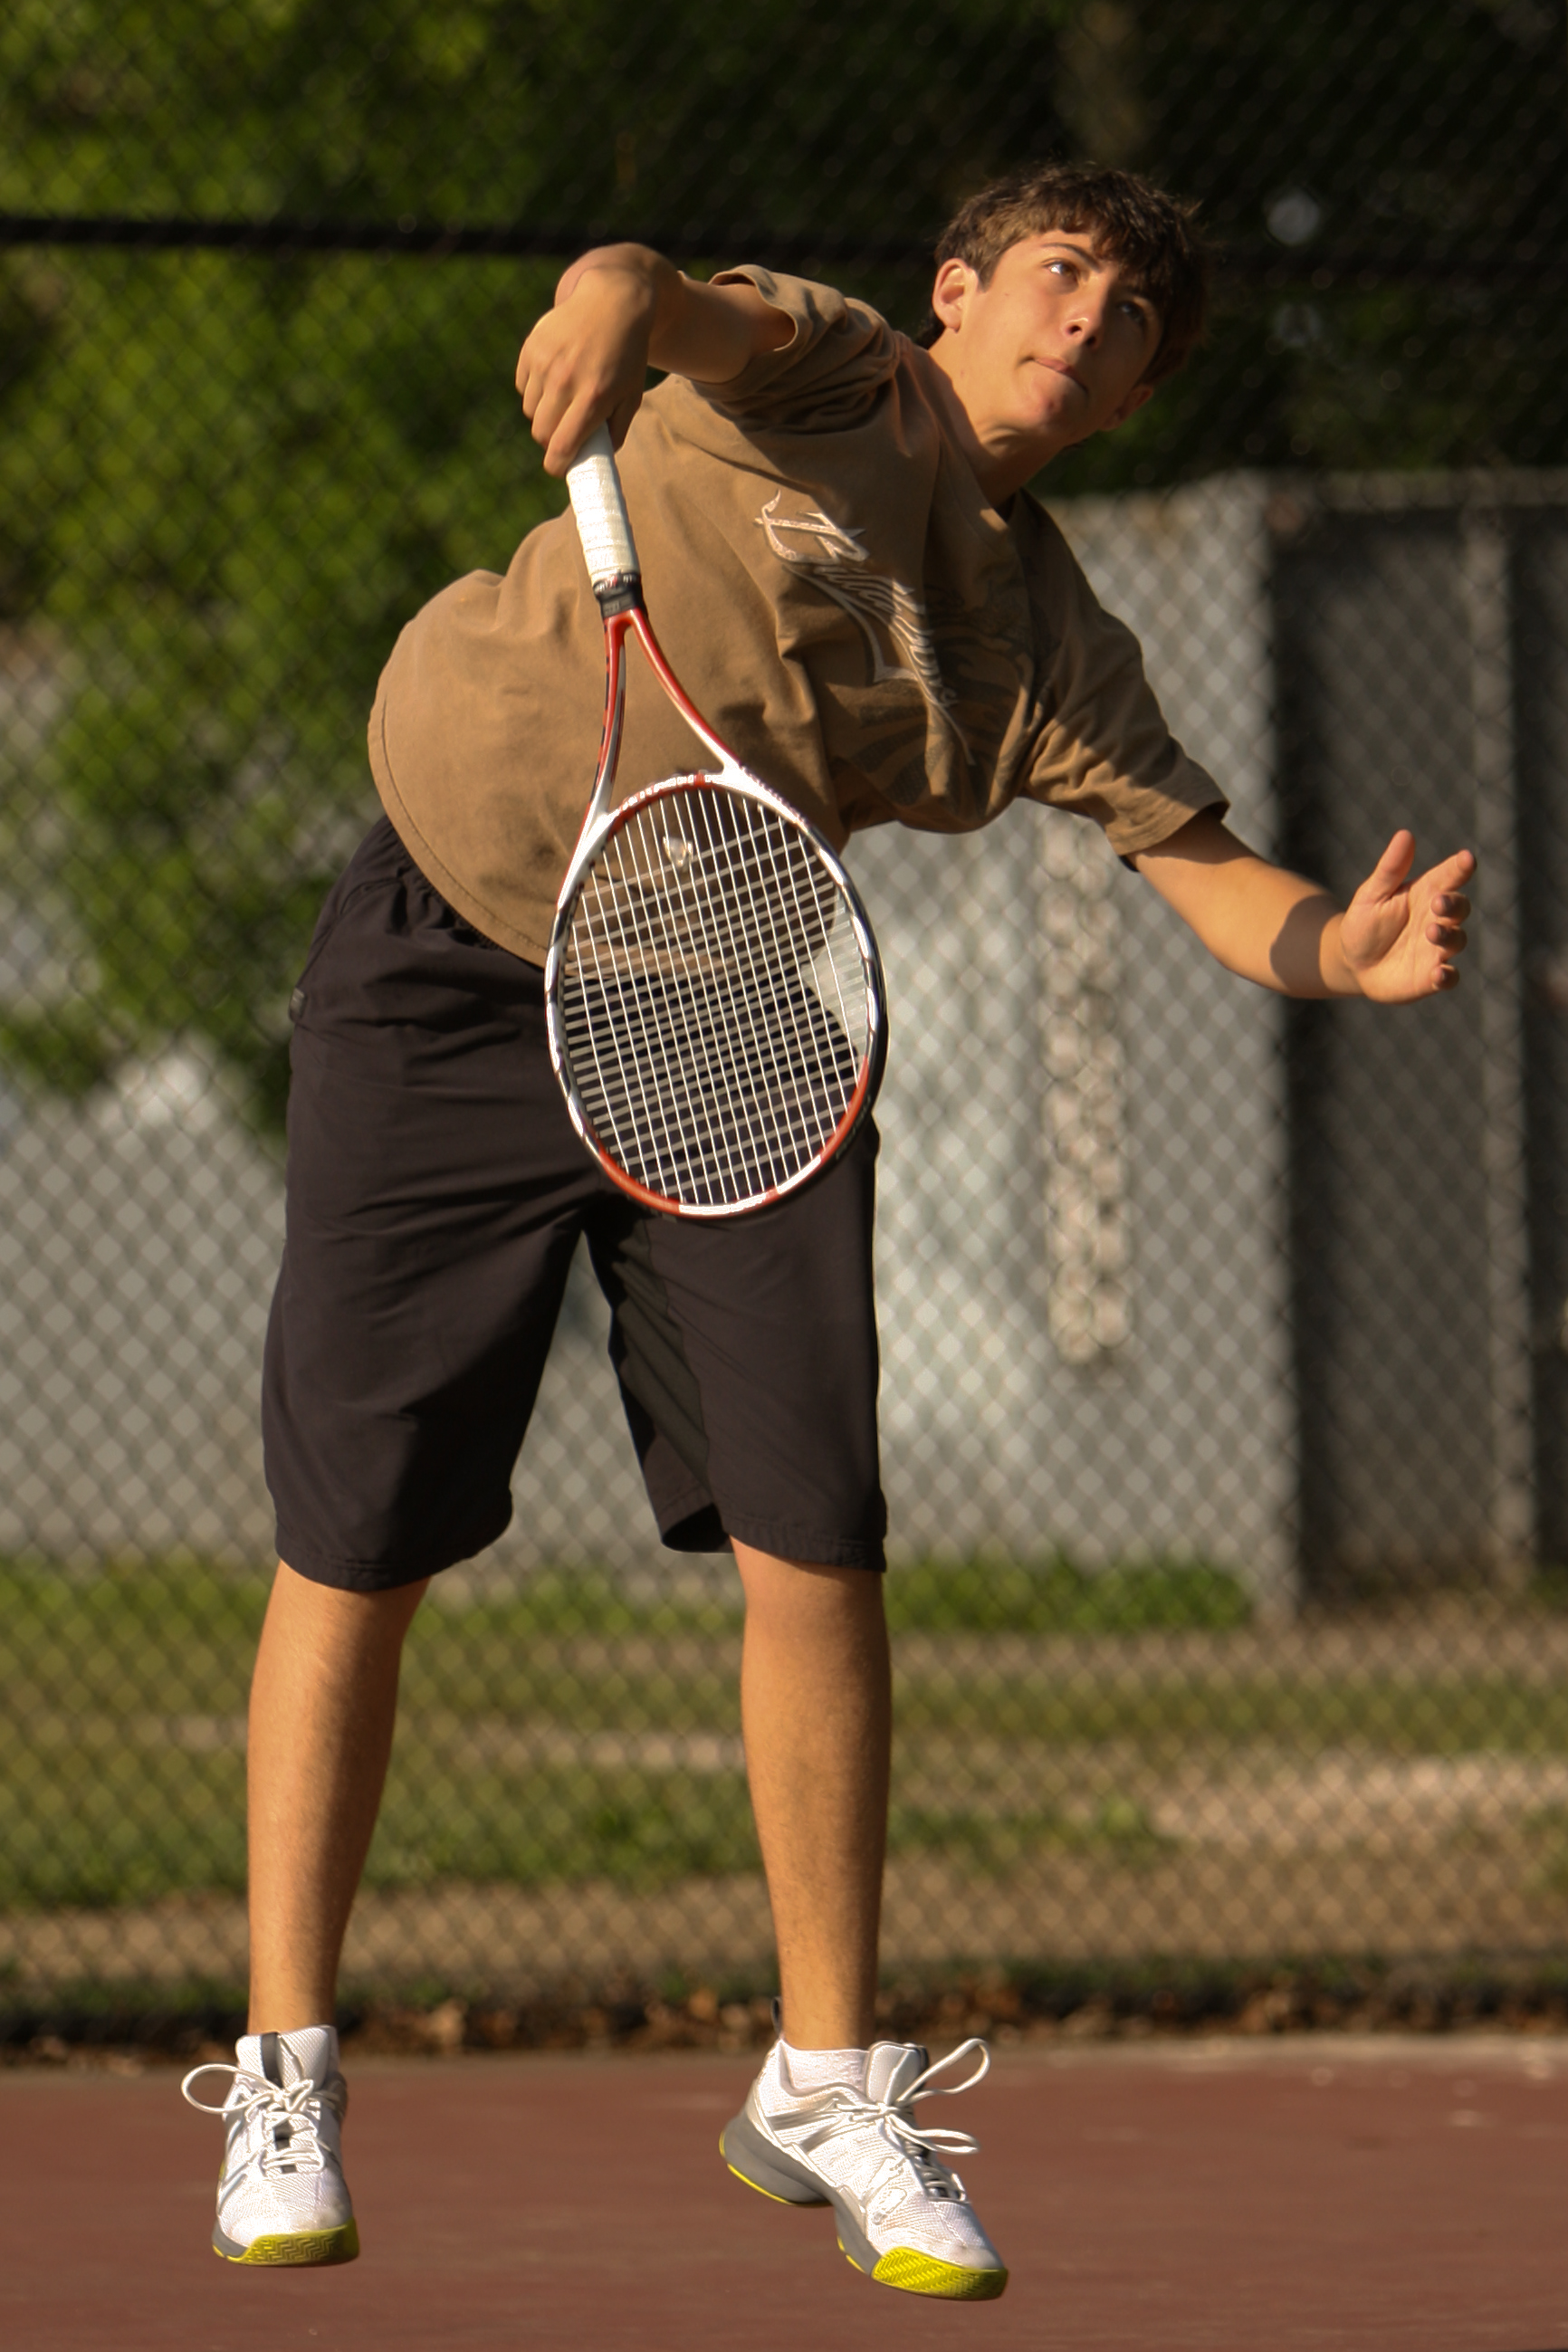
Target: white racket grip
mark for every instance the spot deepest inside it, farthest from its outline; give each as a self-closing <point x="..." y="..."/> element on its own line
<point x="608" y="548"/>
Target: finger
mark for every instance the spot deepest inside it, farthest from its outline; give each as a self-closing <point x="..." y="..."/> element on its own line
<point x="1388" y="874"/>
<point x="544" y="419"/>
<point x="560" y="449"/>
<point x="543" y="389"/>
<point x="577" y="420"/>
<point x="1453" y="906"/>
<point x="1453" y="870"/>
<point x="541" y="353"/>
<point x="1452" y="942"/>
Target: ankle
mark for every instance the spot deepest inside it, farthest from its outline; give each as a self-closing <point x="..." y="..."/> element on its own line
<point x="817" y="2070"/>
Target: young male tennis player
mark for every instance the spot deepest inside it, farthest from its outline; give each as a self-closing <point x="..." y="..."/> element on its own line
<point x="845" y="566"/>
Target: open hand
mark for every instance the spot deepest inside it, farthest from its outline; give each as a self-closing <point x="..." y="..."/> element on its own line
<point x="1401" y="938"/>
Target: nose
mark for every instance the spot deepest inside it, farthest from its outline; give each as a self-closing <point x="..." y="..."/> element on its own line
<point x="1087" y="322"/>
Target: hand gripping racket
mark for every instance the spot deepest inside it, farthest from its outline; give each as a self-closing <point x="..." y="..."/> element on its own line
<point x="715" y="1001"/>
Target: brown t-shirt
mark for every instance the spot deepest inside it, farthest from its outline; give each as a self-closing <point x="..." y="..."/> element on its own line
<point x="837" y="598"/>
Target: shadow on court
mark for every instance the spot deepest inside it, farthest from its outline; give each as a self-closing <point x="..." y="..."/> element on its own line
<point x="1310" y="2194"/>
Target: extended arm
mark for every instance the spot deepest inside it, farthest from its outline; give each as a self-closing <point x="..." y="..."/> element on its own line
<point x="1395" y="942"/>
<point x="619" y="310"/>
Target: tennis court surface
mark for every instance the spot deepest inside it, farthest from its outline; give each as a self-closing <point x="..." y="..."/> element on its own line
<point x="1303" y="2193"/>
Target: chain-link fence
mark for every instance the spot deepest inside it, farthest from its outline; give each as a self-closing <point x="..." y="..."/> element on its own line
<point x="1225" y="1350"/>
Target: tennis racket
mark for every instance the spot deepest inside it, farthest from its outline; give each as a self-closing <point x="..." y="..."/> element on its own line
<point x="715" y="1001"/>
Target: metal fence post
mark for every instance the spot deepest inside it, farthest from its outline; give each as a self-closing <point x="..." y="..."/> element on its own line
<point x="1489" y="604"/>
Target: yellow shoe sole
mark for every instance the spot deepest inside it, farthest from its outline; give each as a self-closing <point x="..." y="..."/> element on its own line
<point x="300" y="2250"/>
<point x="790" y="2204"/>
<point x="902" y="2266"/>
<point x="918" y="2273"/>
<point x="800" y="2204"/>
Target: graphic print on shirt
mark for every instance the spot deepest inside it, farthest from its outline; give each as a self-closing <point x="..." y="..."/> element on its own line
<point x="874" y="603"/>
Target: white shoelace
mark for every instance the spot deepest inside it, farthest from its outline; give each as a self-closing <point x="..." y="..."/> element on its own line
<point x="271" y="2105"/>
<point x="914" y="2141"/>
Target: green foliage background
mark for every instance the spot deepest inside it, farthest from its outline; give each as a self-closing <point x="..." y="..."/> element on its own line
<point x="225" y="479"/>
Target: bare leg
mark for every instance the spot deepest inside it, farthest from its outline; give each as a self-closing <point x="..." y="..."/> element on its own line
<point x="816" y="1705"/>
<point x="322" y="1706"/>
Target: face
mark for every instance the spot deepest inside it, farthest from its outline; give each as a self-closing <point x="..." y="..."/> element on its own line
<point x="1052" y="350"/>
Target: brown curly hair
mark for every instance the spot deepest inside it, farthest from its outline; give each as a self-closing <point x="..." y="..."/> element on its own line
<point x="1152" y="235"/>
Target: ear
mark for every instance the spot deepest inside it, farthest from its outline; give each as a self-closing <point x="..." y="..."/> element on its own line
<point x="955" y="282"/>
<point x="1135" y="400"/>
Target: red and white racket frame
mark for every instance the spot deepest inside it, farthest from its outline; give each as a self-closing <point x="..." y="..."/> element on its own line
<point x="610" y="552"/>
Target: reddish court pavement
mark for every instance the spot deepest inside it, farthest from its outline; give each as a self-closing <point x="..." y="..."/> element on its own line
<point x="1318" y="2194"/>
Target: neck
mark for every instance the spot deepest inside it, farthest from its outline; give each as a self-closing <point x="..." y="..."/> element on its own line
<point x="1000" y="459"/>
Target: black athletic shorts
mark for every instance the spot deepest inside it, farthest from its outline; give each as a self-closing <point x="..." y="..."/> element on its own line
<point x="435" y="1193"/>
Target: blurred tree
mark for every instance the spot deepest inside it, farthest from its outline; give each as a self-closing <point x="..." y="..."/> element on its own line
<point x="233" y="481"/>
<point x="225" y="480"/>
<point x="787" y="115"/>
<point x="1404" y="170"/>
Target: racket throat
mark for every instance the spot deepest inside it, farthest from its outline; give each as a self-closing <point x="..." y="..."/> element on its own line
<point x="615" y="628"/>
<point x="621" y="593"/>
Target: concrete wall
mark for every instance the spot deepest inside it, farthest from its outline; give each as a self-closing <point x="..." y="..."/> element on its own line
<point x="1001" y="1425"/>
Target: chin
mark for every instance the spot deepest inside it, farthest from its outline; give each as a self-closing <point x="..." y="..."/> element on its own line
<point x="1060" y="409"/>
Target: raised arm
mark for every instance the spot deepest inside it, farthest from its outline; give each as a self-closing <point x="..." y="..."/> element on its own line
<point x="618" y="310"/>
<point x="1396" y="941"/>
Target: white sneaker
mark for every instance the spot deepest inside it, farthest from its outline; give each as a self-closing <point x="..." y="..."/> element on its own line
<point x="903" y="2216"/>
<point x="281" y="2196"/>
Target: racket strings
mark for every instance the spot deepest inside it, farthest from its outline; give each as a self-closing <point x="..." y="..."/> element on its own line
<point x="717" y="1126"/>
<point x="715" y="1008"/>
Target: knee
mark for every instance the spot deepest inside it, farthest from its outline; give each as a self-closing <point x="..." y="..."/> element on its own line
<point x="799" y="1592"/>
<point x="328" y="1617"/>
